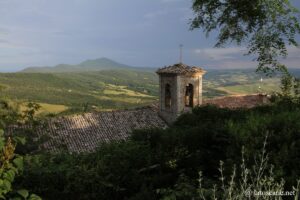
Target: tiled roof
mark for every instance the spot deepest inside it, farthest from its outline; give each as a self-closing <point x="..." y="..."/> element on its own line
<point x="82" y="133"/>
<point x="245" y="101"/>
<point x="180" y="68"/>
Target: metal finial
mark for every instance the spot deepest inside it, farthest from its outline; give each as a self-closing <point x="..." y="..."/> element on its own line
<point x="180" y="56"/>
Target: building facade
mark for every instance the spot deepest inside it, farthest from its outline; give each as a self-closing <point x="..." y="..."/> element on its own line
<point x="180" y="89"/>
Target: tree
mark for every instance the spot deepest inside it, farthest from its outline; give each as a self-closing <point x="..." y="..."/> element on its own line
<point x="265" y="26"/>
<point x="10" y="165"/>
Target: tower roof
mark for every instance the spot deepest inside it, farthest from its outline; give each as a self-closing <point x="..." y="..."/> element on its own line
<point x="180" y="68"/>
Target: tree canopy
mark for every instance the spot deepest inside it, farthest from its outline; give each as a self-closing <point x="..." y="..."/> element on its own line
<point x="266" y="27"/>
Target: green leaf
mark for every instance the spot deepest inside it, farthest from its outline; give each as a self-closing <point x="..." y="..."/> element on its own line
<point x="18" y="162"/>
<point x="23" y="193"/>
<point x="9" y="175"/>
<point x="2" y="142"/>
<point x="17" y="198"/>
<point x="6" y="186"/>
<point x="34" y="197"/>
<point x="21" y="140"/>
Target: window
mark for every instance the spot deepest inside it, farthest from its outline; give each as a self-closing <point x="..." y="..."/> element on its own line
<point x="189" y="95"/>
<point x="168" y="99"/>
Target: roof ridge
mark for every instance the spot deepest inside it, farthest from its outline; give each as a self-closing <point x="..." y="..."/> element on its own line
<point x="180" y="68"/>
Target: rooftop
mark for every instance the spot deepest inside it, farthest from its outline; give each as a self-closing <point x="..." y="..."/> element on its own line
<point x="180" y="68"/>
<point x="238" y="101"/>
<point x="83" y="133"/>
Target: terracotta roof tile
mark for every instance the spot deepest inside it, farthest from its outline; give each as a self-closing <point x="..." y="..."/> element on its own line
<point x="83" y="133"/>
<point x="180" y="68"/>
<point x="245" y="101"/>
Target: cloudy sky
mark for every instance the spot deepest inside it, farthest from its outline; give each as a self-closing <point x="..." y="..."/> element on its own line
<point x="133" y="32"/>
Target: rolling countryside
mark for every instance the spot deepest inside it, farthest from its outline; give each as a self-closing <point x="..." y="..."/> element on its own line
<point x="93" y="86"/>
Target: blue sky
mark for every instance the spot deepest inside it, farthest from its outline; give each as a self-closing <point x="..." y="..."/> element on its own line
<point x="133" y="32"/>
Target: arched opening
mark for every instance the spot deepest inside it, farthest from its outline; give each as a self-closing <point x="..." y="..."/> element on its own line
<point x="168" y="99"/>
<point x="189" y="95"/>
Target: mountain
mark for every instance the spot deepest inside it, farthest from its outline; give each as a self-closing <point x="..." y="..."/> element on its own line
<point x="86" y="66"/>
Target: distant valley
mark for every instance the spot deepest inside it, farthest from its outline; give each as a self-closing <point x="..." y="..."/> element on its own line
<point x="103" y="84"/>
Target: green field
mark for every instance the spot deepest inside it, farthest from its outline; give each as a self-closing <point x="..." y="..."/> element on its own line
<point x="103" y="90"/>
<point x="268" y="86"/>
<point x="47" y="108"/>
<point x="116" y="89"/>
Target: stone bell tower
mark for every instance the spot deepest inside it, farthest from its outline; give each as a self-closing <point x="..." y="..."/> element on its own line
<point x="180" y="89"/>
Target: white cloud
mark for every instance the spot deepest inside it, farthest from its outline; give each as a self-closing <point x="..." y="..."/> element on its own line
<point x="233" y="57"/>
<point x="233" y="64"/>
<point x="220" y="53"/>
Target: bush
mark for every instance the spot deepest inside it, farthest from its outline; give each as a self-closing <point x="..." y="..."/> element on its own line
<point x="155" y="163"/>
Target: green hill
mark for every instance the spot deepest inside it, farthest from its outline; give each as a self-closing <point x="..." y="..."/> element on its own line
<point x="110" y="89"/>
<point x="88" y="65"/>
<point x="118" y="88"/>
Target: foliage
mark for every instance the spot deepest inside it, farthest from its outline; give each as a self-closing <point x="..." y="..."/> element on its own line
<point x="290" y="87"/>
<point x="252" y="183"/>
<point x="10" y="165"/>
<point x="156" y="162"/>
<point x="265" y="26"/>
<point x="11" y="116"/>
<point x="8" y="113"/>
<point x="286" y="84"/>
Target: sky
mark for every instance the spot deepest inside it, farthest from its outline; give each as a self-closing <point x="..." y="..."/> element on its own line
<point x="134" y="32"/>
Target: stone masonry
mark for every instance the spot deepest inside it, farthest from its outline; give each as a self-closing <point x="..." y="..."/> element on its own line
<point x="180" y="89"/>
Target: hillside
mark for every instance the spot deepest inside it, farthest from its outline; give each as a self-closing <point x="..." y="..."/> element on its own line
<point x="117" y="89"/>
<point x="88" y="65"/>
<point x="111" y="89"/>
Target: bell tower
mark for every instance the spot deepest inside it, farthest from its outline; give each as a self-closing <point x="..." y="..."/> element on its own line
<point x="180" y="89"/>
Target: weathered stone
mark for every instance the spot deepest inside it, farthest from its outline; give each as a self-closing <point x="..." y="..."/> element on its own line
<point x="180" y="89"/>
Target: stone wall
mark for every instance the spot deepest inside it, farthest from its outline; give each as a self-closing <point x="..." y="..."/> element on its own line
<point x="183" y="81"/>
<point x="168" y="114"/>
<point x="178" y="85"/>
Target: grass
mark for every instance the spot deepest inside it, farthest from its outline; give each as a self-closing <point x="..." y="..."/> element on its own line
<point x="47" y="108"/>
<point x="104" y="90"/>
<point x="268" y="86"/>
<point x="111" y="89"/>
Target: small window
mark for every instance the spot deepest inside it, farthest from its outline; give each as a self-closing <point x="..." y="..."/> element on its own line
<point x="189" y="95"/>
<point x="168" y="99"/>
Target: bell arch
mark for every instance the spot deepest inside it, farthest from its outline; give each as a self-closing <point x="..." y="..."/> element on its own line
<point x="168" y="96"/>
<point x="189" y="95"/>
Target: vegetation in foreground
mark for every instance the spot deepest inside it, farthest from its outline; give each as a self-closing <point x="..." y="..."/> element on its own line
<point x="165" y="164"/>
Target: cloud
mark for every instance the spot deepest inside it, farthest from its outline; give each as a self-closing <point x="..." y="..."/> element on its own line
<point x="232" y="58"/>
<point x="233" y="64"/>
<point x="220" y="53"/>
